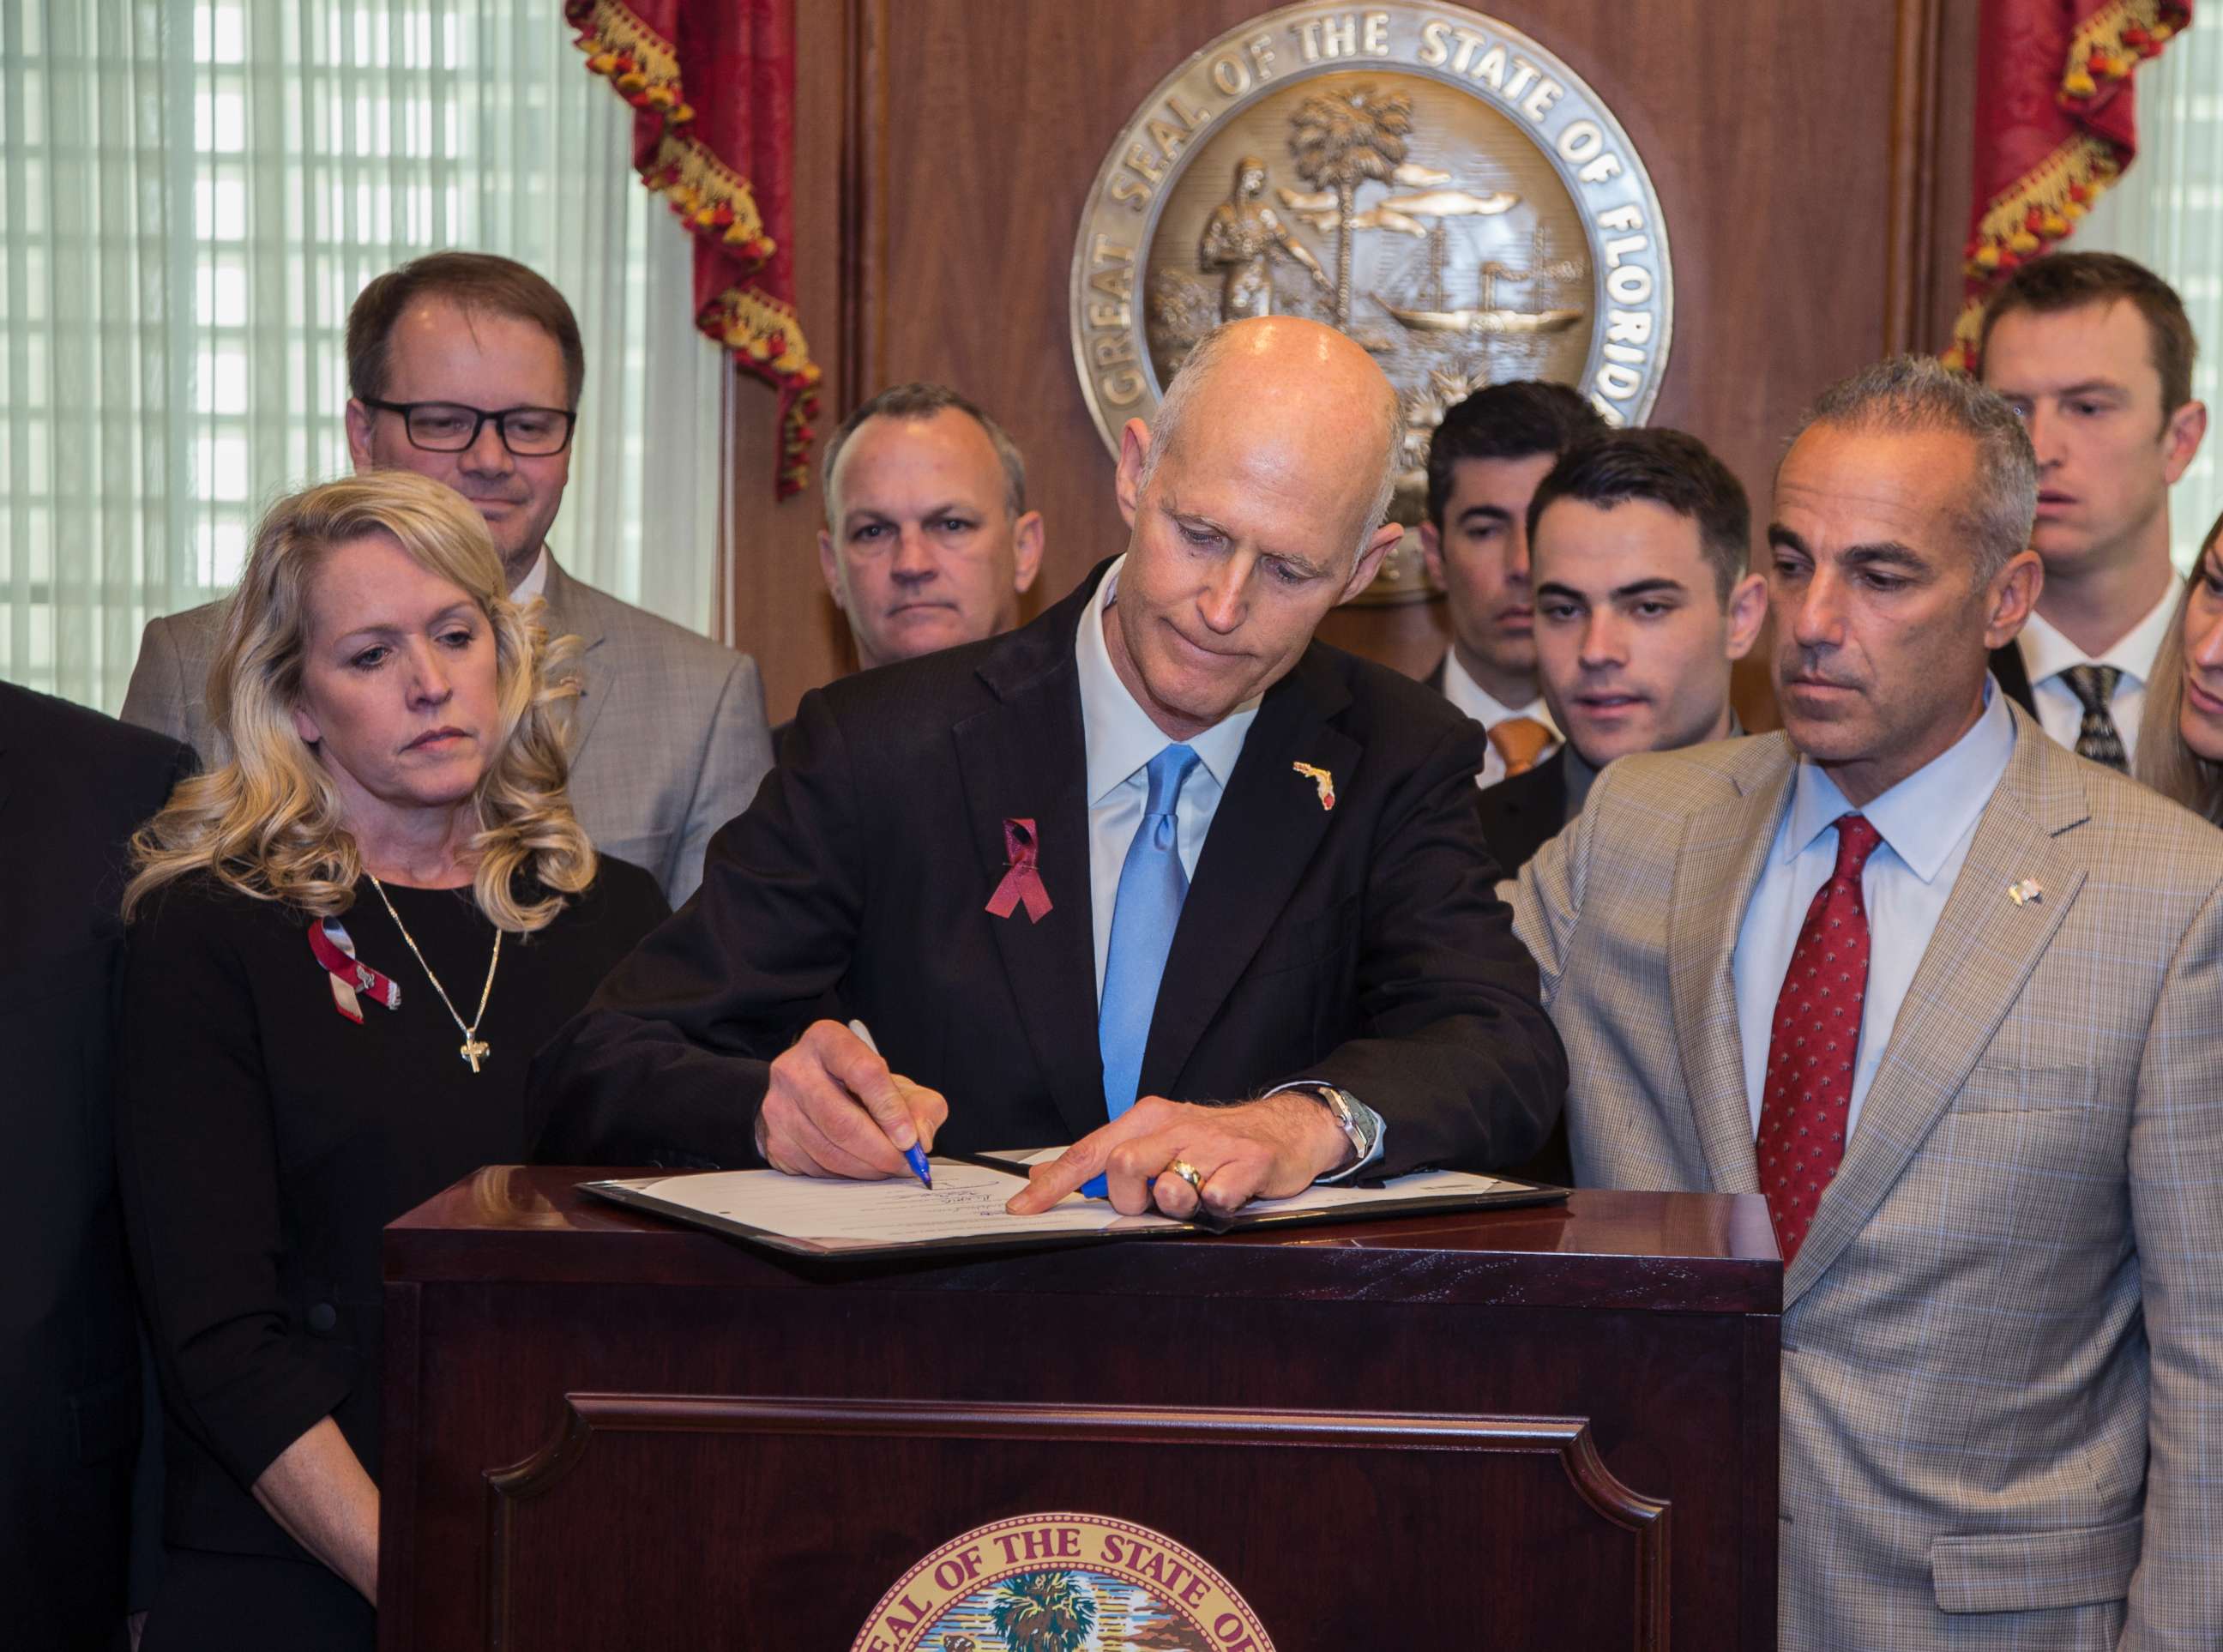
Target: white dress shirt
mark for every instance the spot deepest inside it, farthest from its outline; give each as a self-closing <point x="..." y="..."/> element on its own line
<point x="1121" y="739"/>
<point x="535" y="580"/>
<point x="1479" y="703"/>
<point x="1928" y="820"/>
<point x="2046" y="653"/>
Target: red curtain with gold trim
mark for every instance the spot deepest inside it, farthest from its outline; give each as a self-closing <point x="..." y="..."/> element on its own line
<point x="2055" y="125"/>
<point x="712" y="84"/>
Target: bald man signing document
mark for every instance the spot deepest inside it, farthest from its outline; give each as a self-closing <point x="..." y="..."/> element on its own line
<point x="1157" y="876"/>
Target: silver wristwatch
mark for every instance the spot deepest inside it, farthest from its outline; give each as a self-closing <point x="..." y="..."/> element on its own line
<point x="1361" y="1126"/>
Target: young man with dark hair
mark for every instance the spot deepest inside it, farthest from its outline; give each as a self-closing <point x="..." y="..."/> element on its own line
<point x="1484" y="461"/>
<point x="2095" y="353"/>
<point x="1640" y="544"/>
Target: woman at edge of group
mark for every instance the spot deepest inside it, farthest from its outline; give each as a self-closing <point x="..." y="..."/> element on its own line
<point x="290" y="1081"/>
<point x="2180" y="732"/>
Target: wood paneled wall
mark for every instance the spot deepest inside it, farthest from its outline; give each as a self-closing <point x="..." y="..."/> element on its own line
<point x="1812" y="162"/>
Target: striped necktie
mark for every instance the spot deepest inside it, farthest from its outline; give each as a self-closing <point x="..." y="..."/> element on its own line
<point x="2098" y="739"/>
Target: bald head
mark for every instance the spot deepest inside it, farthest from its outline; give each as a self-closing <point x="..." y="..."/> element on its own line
<point x="1254" y="507"/>
<point x="1289" y="392"/>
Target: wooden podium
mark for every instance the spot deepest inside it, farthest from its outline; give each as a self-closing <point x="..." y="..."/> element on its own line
<point x="1545" y="1428"/>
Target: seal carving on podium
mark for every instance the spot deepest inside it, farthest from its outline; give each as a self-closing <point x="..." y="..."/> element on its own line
<point x="1436" y="185"/>
<point x="1062" y="1582"/>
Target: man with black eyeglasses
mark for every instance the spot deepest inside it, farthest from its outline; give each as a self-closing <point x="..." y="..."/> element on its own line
<point x="467" y="368"/>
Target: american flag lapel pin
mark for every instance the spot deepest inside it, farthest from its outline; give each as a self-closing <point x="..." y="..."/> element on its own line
<point x="2025" y="893"/>
<point x="1322" y="781"/>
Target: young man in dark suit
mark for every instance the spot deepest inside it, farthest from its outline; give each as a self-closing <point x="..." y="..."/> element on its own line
<point x="1156" y="876"/>
<point x="1641" y="546"/>
<point x="73" y="786"/>
<point x="1484" y="461"/>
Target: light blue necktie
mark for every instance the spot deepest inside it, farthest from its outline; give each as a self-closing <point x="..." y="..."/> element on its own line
<point x="1151" y="888"/>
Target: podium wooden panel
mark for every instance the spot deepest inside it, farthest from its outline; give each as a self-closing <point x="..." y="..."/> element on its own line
<point x="1550" y="1428"/>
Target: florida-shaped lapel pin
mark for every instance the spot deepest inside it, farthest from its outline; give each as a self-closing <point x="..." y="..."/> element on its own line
<point x="1321" y="779"/>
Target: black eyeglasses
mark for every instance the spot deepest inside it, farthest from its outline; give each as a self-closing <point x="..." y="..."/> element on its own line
<point x="450" y="427"/>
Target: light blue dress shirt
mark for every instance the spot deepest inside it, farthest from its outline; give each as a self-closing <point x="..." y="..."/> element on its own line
<point x="1928" y="820"/>
<point x="1121" y="741"/>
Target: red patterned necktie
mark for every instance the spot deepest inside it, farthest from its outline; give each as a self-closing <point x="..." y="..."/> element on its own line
<point x="1808" y="1093"/>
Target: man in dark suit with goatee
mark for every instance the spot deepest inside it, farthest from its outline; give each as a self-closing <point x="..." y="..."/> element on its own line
<point x="1156" y="876"/>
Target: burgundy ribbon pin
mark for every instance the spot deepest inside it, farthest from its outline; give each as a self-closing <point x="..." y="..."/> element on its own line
<point x="335" y="949"/>
<point x="1022" y="876"/>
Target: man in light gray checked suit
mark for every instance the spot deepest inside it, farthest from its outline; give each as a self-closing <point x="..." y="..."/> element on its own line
<point x="468" y="368"/>
<point x="1952" y="999"/>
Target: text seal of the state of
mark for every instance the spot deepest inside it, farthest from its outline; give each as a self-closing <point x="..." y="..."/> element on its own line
<point x="1436" y="185"/>
<point x="1060" y="1581"/>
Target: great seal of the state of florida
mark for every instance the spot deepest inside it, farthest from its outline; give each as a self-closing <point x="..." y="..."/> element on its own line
<point x="1436" y="184"/>
<point x="1058" y="1582"/>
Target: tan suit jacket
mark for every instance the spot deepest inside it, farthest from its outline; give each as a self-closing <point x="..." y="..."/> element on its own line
<point x="669" y="734"/>
<point x="2003" y="1337"/>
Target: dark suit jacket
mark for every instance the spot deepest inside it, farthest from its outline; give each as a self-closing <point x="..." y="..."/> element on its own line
<point x="2014" y="675"/>
<point x="1523" y="813"/>
<point x="73" y="785"/>
<point x="1363" y="945"/>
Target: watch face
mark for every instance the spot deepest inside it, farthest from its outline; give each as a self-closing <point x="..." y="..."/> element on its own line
<point x="1356" y="1123"/>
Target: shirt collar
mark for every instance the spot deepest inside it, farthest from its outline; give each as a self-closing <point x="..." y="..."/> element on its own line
<point x="2046" y="653"/>
<point x="535" y="581"/>
<point x="1119" y="734"/>
<point x="1470" y="696"/>
<point x="1927" y="813"/>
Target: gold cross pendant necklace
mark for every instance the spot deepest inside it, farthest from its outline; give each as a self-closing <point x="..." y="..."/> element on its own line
<point x="475" y="1049"/>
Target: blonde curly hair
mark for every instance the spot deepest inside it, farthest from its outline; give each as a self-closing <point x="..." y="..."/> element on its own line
<point x="267" y="820"/>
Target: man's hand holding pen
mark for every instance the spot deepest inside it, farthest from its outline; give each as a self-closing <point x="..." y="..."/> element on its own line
<point x="835" y="1108"/>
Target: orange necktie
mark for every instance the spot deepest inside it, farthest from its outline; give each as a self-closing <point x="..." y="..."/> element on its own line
<point x="1521" y="741"/>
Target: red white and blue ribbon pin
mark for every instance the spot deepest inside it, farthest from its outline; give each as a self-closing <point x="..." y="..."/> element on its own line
<point x="335" y="949"/>
<point x="1320" y="778"/>
<point x="1022" y="881"/>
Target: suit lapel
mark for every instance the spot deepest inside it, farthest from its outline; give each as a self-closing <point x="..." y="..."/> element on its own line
<point x="1026" y="758"/>
<point x="1724" y="851"/>
<point x="1557" y="819"/>
<point x="1982" y="951"/>
<point x="2014" y="676"/>
<point x="568" y="615"/>
<point x="1269" y="824"/>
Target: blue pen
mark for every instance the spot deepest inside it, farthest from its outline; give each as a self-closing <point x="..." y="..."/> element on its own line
<point x="913" y="1155"/>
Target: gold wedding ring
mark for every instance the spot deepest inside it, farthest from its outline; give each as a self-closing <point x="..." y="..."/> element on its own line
<point x="1189" y="1173"/>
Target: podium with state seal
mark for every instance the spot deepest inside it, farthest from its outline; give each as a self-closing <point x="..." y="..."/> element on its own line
<point x="1551" y="1427"/>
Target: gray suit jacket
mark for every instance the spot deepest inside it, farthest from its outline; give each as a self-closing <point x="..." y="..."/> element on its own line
<point x="2003" y="1337"/>
<point x="669" y="737"/>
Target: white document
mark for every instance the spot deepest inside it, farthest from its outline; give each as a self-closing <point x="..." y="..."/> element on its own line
<point x="966" y="1203"/>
